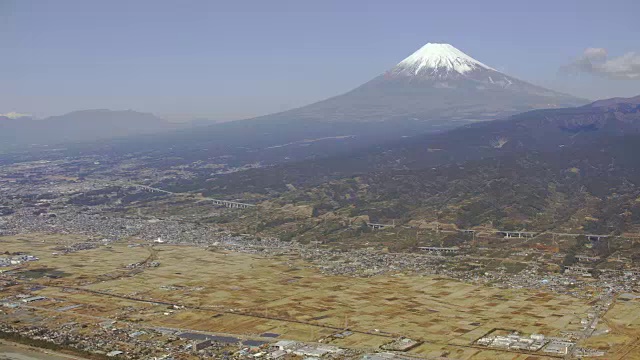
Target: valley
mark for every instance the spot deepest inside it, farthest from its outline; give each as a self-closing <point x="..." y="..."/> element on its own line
<point x="120" y="260"/>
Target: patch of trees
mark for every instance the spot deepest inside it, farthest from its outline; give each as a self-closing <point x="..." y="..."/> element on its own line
<point x="140" y="196"/>
<point x="104" y="191"/>
<point x="322" y="208"/>
<point x="89" y="200"/>
<point x="274" y="223"/>
<point x="570" y="257"/>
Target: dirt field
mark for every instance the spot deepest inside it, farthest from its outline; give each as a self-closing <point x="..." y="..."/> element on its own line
<point x="11" y="351"/>
<point x="249" y="295"/>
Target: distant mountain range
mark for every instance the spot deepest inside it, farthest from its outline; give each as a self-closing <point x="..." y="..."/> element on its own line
<point x="435" y="89"/>
<point x="540" y="131"/>
<point x="86" y="126"/>
<point x="573" y="168"/>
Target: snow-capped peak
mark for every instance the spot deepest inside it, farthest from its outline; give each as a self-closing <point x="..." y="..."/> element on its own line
<point x="439" y="59"/>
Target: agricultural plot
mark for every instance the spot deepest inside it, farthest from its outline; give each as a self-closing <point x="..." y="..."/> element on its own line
<point x="244" y="294"/>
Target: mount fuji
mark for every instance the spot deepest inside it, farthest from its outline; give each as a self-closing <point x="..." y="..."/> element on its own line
<point x="436" y="83"/>
<point x="435" y="89"/>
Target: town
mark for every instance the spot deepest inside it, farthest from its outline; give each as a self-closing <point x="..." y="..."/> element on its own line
<point x="73" y="218"/>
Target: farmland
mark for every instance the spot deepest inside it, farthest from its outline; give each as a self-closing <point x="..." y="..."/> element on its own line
<point x="219" y="291"/>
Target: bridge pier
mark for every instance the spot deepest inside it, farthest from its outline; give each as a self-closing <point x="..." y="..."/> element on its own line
<point x="231" y="204"/>
<point x="228" y="204"/>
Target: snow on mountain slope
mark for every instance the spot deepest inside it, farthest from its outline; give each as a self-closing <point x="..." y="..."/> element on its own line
<point x="442" y="66"/>
<point x="439" y="58"/>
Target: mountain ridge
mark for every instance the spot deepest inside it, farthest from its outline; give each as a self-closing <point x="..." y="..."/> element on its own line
<point x="539" y="131"/>
<point x="572" y="170"/>
<point x="386" y="108"/>
<point x="81" y="125"/>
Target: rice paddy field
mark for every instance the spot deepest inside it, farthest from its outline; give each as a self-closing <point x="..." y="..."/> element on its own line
<point x="244" y="294"/>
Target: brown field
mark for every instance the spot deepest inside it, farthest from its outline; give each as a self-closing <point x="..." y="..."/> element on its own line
<point x="11" y="351"/>
<point x="248" y="295"/>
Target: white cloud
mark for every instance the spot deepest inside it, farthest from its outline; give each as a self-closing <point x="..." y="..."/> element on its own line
<point x="597" y="61"/>
<point x="596" y="53"/>
<point x="625" y="67"/>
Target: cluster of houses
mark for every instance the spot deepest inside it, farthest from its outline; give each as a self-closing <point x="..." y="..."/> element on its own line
<point x="533" y="343"/>
<point x="514" y="341"/>
<point x="284" y="347"/>
<point x="16" y="260"/>
<point x="260" y="349"/>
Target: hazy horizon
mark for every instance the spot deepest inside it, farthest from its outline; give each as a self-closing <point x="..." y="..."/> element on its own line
<point x="221" y="61"/>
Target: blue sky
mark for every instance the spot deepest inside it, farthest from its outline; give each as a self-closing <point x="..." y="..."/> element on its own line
<point x="235" y="59"/>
